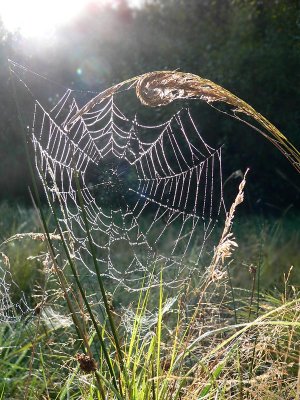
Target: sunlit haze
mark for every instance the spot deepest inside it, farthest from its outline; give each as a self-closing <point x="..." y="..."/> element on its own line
<point x="36" y="18"/>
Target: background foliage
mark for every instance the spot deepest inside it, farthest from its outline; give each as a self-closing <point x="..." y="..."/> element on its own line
<point x="251" y="48"/>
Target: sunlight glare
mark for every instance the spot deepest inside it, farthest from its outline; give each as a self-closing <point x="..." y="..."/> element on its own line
<point x="35" y="18"/>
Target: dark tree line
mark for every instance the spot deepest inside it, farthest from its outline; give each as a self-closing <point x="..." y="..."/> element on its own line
<point x="251" y="47"/>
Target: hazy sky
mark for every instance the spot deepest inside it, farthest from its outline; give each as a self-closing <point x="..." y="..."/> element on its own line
<point x="36" y="18"/>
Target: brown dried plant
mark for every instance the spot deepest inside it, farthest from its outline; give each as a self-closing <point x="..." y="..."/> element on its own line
<point x="227" y="241"/>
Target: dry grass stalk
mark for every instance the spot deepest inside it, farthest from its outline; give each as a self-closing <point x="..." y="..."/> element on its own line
<point x="227" y="242"/>
<point x="271" y="348"/>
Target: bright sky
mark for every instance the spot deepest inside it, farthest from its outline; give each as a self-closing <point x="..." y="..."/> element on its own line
<point x="36" y="18"/>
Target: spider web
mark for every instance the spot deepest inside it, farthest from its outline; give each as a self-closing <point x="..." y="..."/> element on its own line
<point x="152" y="193"/>
<point x="10" y="309"/>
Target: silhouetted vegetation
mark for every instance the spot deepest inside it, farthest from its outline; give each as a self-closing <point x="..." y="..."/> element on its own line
<point x="251" y="48"/>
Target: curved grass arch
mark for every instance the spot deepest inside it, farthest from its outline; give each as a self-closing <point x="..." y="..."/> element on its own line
<point x="159" y="88"/>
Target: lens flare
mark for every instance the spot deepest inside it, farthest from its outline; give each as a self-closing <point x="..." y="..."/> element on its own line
<point x="35" y="18"/>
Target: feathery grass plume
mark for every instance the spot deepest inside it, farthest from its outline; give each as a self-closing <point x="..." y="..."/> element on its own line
<point x="227" y="242"/>
<point x="160" y="88"/>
